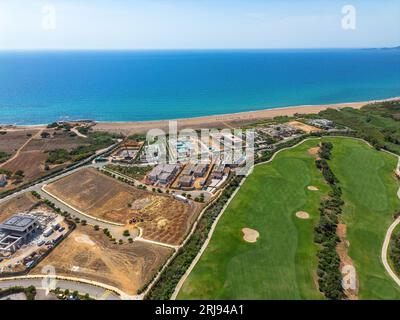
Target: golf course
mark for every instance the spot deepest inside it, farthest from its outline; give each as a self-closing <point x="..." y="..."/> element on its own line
<point x="281" y="262"/>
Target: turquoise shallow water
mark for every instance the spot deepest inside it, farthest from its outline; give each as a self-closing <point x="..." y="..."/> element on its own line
<point x="40" y="87"/>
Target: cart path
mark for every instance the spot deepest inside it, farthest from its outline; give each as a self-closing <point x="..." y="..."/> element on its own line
<point x="389" y="236"/>
<point x="214" y="225"/>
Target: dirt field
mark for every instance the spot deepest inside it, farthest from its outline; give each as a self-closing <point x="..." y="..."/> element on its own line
<point x="31" y="159"/>
<point x="89" y="254"/>
<point x="161" y="217"/>
<point x="17" y="204"/>
<point x="304" y="127"/>
<point x="59" y="140"/>
<point x="13" y="140"/>
<point x="31" y="162"/>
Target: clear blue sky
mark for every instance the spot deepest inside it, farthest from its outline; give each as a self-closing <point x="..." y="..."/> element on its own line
<point x="195" y="24"/>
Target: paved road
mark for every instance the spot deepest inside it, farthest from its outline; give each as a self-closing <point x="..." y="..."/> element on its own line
<point x="83" y="288"/>
<point x="389" y="236"/>
<point x="77" y="167"/>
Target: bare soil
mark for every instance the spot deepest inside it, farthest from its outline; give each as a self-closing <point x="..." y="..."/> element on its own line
<point x="89" y="254"/>
<point x="345" y="259"/>
<point x="104" y="197"/>
<point x="13" y="140"/>
<point x="18" y="204"/>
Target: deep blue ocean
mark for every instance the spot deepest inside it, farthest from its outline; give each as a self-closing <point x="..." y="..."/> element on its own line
<point x="41" y="87"/>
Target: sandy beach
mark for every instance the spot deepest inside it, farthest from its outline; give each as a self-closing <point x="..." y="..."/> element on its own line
<point x="223" y="121"/>
<point x="232" y="120"/>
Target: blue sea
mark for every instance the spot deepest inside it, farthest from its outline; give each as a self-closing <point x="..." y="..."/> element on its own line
<point x="41" y="87"/>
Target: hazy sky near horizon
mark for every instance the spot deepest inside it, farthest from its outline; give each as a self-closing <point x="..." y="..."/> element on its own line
<point x="196" y="24"/>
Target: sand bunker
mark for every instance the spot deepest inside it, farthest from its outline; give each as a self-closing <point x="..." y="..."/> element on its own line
<point x="312" y="188"/>
<point x="250" y="235"/>
<point x="302" y="215"/>
<point x="314" y="151"/>
<point x="84" y="239"/>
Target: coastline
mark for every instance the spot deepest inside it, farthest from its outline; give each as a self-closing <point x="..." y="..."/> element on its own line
<point x="230" y="120"/>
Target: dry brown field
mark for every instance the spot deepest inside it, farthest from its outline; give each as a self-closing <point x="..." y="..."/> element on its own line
<point x="31" y="159"/>
<point x="161" y="217"/>
<point x="20" y="203"/>
<point x="90" y="255"/>
<point x="59" y="140"/>
<point x="13" y="140"/>
<point x="304" y="127"/>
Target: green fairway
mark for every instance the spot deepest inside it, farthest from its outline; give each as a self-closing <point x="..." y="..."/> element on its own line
<point x="369" y="192"/>
<point x="282" y="263"/>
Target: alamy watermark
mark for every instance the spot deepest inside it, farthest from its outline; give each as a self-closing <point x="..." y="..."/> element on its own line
<point x="49" y="17"/>
<point x="349" y="19"/>
<point x="232" y="147"/>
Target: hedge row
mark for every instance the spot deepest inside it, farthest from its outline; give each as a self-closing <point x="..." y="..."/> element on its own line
<point x="329" y="275"/>
<point x="165" y="285"/>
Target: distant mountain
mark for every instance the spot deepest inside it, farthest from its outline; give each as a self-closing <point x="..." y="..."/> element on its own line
<point x="385" y="48"/>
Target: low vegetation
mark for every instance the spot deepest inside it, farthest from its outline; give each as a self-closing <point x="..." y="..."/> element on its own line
<point x="95" y="141"/>
<point x="282" y="263"/>
<point x="329" y="276"/>
<point x="165" y="285"/>
<point x="377" y="123"/>
<point x="134" y="172"/>
<point x="30" y="292"/>
<point x="3" y="156"/>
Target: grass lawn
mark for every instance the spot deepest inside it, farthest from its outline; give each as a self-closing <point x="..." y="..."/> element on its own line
<point x="282" y="263"/>
<point x="369" y="192"/>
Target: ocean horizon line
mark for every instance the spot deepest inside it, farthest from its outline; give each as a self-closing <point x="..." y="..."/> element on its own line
<point x="187" y="49"/>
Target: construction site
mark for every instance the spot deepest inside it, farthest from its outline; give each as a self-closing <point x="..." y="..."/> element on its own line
<point x="26" y="236"/>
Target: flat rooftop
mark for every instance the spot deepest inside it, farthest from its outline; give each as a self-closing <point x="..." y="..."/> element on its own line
<point x="18" y="222"/>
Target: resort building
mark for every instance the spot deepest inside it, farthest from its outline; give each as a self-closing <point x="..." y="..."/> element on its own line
<point x="200" y="170"/>
<point x="218" y="171"/>
<point x="322" y="123"/>
<point x="186" y="181"/>
<point x="280" y="131"/>
<point x="163" y="173"/>
<point x="188" y="170"/>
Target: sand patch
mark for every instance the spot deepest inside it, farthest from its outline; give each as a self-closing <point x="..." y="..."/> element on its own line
<point x="250" y="235"/>
<point x="302" y="215"/>
<point x="141" y="203"/>
<point x="349" y="273"/>
<point x="162" y="223"/>
<point x="304" y="127"/>
<point x="312" y="188"/>
<point x="83" y="238"/>
<point x="314" y="151"/>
